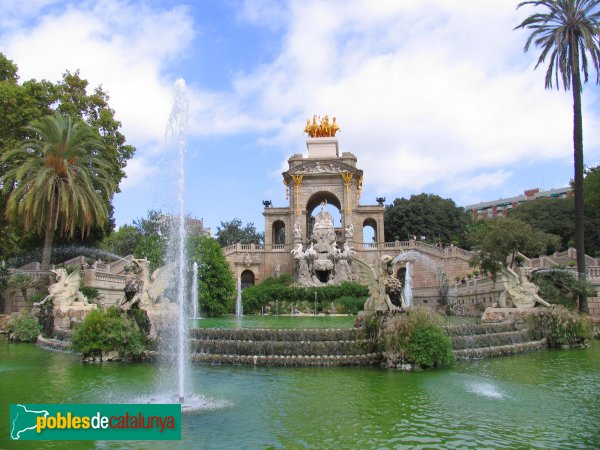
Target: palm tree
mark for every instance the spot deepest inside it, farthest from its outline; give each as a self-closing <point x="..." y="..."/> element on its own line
<point x="568" y="31"/>
<point x="58" y="179"/>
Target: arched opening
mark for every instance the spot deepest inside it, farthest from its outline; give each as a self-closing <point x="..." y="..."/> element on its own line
<point x="332" y="205"/>
<point x="369" y="231"/>
<point x="278" y="233"/>
<point x="247" y="278"/>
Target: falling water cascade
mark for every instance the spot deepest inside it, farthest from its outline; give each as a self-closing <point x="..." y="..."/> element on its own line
<point x="239" y="308"/>
<point x="195" y="308"/>
<point x="408" y="286"/>
<point x="410" y="257"/>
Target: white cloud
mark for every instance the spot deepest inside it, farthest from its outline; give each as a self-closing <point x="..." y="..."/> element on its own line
<point x="124" y="47"/>
<point x="424" y="91"/>
<point x="139" y="170"/>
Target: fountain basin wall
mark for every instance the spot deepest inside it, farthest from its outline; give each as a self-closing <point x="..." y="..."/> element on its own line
<point x="330" y="346"/>
<point x="487" y="340"/>
<point x="283" y="347"/>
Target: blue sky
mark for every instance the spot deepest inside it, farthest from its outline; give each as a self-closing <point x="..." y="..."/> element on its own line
<point x="432" y="96"/>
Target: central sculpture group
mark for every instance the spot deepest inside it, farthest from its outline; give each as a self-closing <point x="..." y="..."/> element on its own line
<point x="322" y="262"/>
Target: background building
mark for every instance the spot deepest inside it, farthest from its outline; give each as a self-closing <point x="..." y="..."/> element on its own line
<point x="502" y="206"/>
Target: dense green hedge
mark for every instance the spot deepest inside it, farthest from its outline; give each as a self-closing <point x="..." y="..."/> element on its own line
<point x="272" y="290"/>
<point x="418" y="338"/>
<point x="108" y="330"/>
<point x="24" y="327"/>
<point x="560" y="326"/>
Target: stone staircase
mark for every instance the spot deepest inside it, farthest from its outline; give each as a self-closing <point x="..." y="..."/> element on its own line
<point x="488" y="340"/>
<point x="282" y="347"/>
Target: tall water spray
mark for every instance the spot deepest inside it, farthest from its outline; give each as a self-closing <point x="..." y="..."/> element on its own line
<point x="195" y="306"/>
<point x="239" y="308"/>
<point x="176" y="129"/>
<point x="408" y="298"/>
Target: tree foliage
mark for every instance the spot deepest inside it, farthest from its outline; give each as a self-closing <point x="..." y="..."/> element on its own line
<point x="122" y="242"/>
<point x="216" y="285"/>
<point x="233" y="232"/>
<point x="438" y="219"/>
<point x="58" y="180"/>
<point x="23" y="102"/>
<point x="561" y="286"/>
<point x="494" y="241"/>
<point x="550" y="215"/>
<point x="591" y="188"/>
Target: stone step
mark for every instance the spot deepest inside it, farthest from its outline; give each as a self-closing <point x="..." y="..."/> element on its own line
<point x="501" y="350"/>
<point x="490" y="340"/>
<point x="279" y="334"/>
<point x="479" y="328"/>
<point x="287" y="360"/>
<point x="287" y="348"/>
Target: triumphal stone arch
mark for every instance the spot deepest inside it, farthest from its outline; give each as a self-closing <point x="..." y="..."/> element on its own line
<point x="304" y="240"/>
<point x="313" y="249"/>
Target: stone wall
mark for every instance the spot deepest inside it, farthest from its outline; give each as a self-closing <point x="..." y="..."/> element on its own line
<point x="14" y="302"/>
<point x="594" y="306"/>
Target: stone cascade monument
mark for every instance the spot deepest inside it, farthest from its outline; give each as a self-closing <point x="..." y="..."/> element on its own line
<point x="323" y="261"/>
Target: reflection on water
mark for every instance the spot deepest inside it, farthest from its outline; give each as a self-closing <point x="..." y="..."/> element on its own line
<point x="547" y="399"/>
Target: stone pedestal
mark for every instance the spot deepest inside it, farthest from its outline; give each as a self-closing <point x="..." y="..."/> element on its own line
<point x="325" y="147"/>
<point x="66" y="315"/>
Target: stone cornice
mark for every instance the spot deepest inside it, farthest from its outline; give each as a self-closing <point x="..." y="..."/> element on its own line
<point x="319" y="167"/>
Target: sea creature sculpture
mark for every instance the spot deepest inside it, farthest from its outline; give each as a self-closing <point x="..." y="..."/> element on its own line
<point x="381" y="283"/>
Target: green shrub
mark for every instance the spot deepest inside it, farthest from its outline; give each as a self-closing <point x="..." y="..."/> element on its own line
<point x="72" y="268"/>
<point x="92" y="294"/>
<point x="278" y="289"/>
<point x="428" y="346"/>
<point x="418" y="337"/>
<point x="24" y="327"/>
<point x="108" y="330"/>
<point x="350" y="305"/>
<point x="560" y="326"/>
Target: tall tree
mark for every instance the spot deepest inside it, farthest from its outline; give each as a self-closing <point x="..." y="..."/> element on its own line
<point x="551" y="215"/>
<point x="591" y="186"/>
<point x="216" y="284"/>
<point x="232" y="232"/>
<point x="58" y="180"/>
<point x="568" y="31"/>
<point x="497" y="242"/>
<point x="428" y="215"/>
<point x="23" y="102"/>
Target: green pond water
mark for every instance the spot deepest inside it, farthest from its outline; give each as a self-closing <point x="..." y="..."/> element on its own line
<point x="547" y="399"/>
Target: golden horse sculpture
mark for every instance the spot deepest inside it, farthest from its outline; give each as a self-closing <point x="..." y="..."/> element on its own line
<point x="323" y="129"/>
